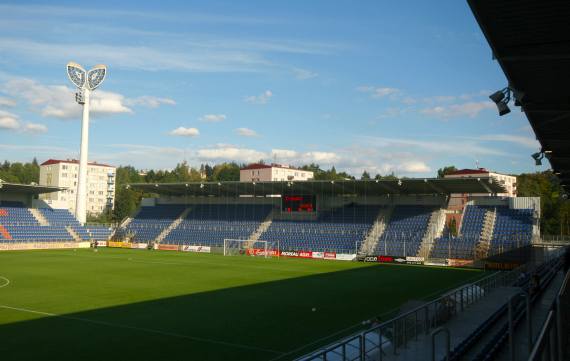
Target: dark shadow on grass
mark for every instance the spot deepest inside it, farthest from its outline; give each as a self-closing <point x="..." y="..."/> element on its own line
<point x="254" y="322"/>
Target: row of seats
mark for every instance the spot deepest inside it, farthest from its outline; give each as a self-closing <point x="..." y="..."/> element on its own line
<point x="512" y="229"/>
<point x="405" y="230"/>
<point x="338" y="230"/>
<point x="210" y="224"/>
<point x="342" y="229"/>
<point x="18" y="224"/>
<point x="150" y="222"/>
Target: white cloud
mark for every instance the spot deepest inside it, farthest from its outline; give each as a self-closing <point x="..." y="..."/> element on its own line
<point x="284" y="153"/>
<point x="377" y="92"/>
<point x="300" y="158"/>
<point x="437" y="146"/>
<point x="230" y="153"/>
<point x="303" y="74"/>
<point x="469" y="109"/>
<point x="413" y="167"/>
<point x="7" y="102"/>
<point x="35" y="128"/>
<point x="185" y="132"/>
<point x="441" y="99"/>
<point x="150" y="101"/>
<point x="526" y="142"/>
<point x="246" y="132"/>
<point x="58" y="101"/>
<point x="321" y="157"/>
<point x="262" y="98"/>
<point x="213" y="118"/>
<point x="8" y="121"/>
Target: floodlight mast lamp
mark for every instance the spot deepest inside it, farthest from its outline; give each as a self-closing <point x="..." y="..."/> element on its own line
<point x="85" y="82"/>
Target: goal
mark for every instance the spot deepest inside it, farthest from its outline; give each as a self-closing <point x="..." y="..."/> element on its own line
<point x="250" y="247"/>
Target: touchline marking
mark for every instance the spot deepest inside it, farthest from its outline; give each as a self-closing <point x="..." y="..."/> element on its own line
<point x="144" y="329"/>
<point x="6" y="281"/>
<point x="252" y="267"/>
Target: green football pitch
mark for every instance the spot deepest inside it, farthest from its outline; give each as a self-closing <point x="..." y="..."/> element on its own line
<point x="157" y="305"/>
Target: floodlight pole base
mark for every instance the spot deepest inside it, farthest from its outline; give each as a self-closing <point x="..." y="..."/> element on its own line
<point x="81" y="197"/>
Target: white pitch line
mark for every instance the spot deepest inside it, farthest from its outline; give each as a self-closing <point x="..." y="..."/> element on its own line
<point x="7" y="281"/>
<point x="144" y="329"/>
<point x="252" y="267"/>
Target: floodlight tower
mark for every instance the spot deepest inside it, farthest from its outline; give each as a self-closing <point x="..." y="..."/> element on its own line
<point x="85" y="82"/>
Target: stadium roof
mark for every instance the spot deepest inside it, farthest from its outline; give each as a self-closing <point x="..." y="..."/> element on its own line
<point x="531" y="41"/>
<point x="26" y="188"/>
<point x="355" y="187"/>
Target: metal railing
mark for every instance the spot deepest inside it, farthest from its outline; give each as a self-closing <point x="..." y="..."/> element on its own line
<point x="552" y="341"/>
<point x="395" y="334"/>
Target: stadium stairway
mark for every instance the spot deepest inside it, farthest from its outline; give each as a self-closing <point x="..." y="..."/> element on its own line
<point x="484" y="244"/>
<point x="73" y="234"/>
<point x="162" y="235"/>
<point x="376" y="231"/>
<point x="263" y="226"/>
<point x="434" y="230"/>
<point x="39" y="217"/>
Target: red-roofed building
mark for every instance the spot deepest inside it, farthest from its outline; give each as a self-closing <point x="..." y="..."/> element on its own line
<point x="509" y="181"/>
<point x="64" y="173"/>
<point x="259" y="172"/>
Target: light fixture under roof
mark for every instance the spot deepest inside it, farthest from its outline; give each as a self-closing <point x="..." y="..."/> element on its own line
<point x="538" y="156"/>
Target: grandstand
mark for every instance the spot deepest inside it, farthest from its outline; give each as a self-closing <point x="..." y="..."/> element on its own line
<point x="394" y="219"/>
<point x="364" y="218"/>
<point x="30" y="222"/>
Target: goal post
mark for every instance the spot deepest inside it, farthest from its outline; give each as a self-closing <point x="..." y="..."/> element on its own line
<point x="250" y="247"/>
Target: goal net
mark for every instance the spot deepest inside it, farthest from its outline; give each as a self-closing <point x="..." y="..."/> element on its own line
<point x="249" y="247"/>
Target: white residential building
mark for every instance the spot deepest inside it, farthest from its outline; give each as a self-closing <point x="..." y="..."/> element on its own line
<point x="273" y="172"/>
<point x="508" y="181"/>
<point x="64" y="173"/>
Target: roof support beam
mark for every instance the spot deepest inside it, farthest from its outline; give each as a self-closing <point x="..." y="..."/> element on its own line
<point x="486" y="186"/>
<point x="434" y="187"/>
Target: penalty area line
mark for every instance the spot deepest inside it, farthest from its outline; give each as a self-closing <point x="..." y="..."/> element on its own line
<point x="144" y="329"/>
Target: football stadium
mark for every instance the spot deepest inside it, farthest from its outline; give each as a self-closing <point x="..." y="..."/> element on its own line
<point x="283" y="265"/>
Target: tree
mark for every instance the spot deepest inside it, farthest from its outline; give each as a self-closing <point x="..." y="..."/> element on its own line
<point x="126" y="202"/>
<point x="452" y="227"/>
<point x="365" y="175"/>
<point x="441" y="172"/>
<point x="390" y="176"/>
<point x="17" y="172"/>
<point x="553" y="205"/>
<point x="226" y="172"/>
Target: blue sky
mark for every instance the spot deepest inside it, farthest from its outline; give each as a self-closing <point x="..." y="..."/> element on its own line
<point x="383" y="86"/>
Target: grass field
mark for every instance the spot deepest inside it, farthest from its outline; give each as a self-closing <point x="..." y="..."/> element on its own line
<point x="141" y="305"/>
